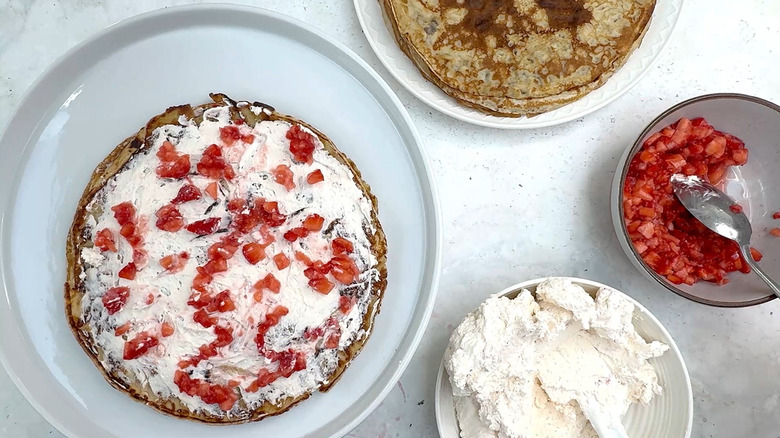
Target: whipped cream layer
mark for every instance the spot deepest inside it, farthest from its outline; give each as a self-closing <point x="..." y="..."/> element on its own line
<point x="338" y="199"/>
<point x="519" y="367"/>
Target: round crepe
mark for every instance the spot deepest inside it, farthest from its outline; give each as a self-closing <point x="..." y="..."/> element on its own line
<point x="79" y="237"/>
<point x="518" y="57"/>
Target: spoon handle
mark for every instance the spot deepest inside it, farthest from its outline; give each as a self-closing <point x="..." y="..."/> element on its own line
<point x="753" y="265"/>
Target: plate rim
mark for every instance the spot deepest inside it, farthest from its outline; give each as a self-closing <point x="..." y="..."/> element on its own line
<point x="425" y="177"/>
<point x="637" y="306"/>
<point x="510" y="123"/>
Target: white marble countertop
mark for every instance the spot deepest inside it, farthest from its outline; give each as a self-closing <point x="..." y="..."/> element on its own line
<point x="515" y="205"/>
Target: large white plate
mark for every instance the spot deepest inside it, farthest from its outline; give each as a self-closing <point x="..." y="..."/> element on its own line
<point x="669" y="415"/>
<point x="103" y="91"/>
<point x="381" y="40"/>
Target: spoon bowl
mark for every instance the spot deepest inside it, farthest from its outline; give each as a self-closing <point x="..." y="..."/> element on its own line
<point x="713" y="208"/>
<point x="718" y="212"/>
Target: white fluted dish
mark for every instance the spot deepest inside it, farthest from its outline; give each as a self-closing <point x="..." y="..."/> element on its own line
<point x="669" y="415"/>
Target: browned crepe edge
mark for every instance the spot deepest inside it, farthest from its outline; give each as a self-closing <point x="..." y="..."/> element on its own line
<point x="77" y="239"/>
<point x="520" y="107"/>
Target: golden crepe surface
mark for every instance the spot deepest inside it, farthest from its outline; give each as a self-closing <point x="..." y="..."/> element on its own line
<point x="254" y="372"/>
<point x="518" y="57"/>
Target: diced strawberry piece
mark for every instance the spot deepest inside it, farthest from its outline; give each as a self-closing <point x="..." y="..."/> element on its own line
<point x="236" y="205"/>
<point x="284" y="176"/>
<point x="139" y="345"/>
<point x="140" y="258"/>
<point x="224" y="336"/>
<point x="127" y="230"/>
<point x="224" y="250"/>
<point x="740" y="156"/>
<point x="333" y="340"/>
<point x="175" y="169"/>
<point x="776" y="215"/>
<point x="201" y="280"/>
<point x="341" y="246"/>
<point x="166" y="329"/>
<point x="264" y="378"/>
<point x="172" y="164"/>
<point x="169" y="219"/>
<point x="222" y="302"/>
<point x="756" y="254"/>
<point x="315" y="177"/>
<point x="199" y="299"/>
<point x="321" y="285"/>
<point x="124" y="213"/>
<point x="291" y="361"/>
<point x="682" y="131"/>
<point x="174" y="262"/>
<point x="149" y="299"/>
<point x="346" y="303"/>
<point x="212" y="164"/>
<point x="736" y="208"/>
<point x="716" y="147"/>
<point x="301" y="144"/>
<point x="269" y="282"/>
<point x="211" y="190"/>
<point x="281" y="261"/>
<point x="344" y="269"/>
<point x="246" y="221"/>
<point x="104" y="240"/>
<point x="215" y="266"/>
<point x="294" y="233"/>
<point x="115" y="299"/>
<point x="313" y="223"/>
<point x="122" y="329"/>
<point x="311" y="334"/>
<point x="253" y="252"/>
<point x="187" y="193"/>
<point x="229" y="134"/>
<point x="270" y="214"/>
<point x="677" y="161"/>
<point x="204" y="227"/>
<point x="128" y="272"/>
<point x="303" y="258"/>
<point x="775" y="232"/>
<point x="647" y="230"/>
<point x="716" y="174"/>
<point x="167" y="152"/>
<point x="647" y="212"/>
<point x="203" y="318"/>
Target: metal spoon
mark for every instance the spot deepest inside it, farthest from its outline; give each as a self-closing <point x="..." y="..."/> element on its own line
<point x="712" y="208"/>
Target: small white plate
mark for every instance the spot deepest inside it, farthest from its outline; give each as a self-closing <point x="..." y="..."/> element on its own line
<point x="669" y="415"/>
<point x="398" y="64"/>
<point x="104" y="90"/>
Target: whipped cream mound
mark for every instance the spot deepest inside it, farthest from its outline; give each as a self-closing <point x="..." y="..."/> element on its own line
<point x="519" y="368"/>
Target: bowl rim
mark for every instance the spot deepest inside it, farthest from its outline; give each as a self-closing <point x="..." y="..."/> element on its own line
<point x="514" y="290"/>
<point x="617" y="199"/>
